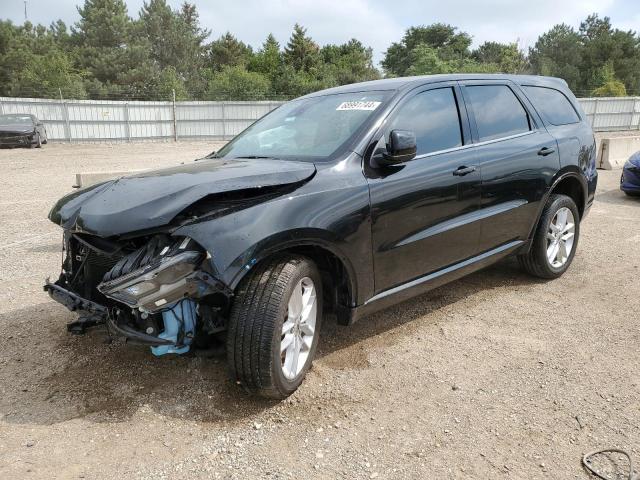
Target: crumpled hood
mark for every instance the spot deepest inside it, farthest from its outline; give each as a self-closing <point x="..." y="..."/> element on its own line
<point x="17" y="129"/>
<point x="152" y="199"/>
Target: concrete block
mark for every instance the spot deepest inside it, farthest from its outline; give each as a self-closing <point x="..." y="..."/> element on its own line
<point x="91" y="178"/>
<point x="614" y="152"/>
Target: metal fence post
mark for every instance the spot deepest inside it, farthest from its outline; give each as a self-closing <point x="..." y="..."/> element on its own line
<point x="1" y="108"/>
<point x="127" y="125"/>
<point x="175" y="120"/>
<point x="595" y="113"/>
<point x="224" y="122"/>
<point x="65" y="117"/>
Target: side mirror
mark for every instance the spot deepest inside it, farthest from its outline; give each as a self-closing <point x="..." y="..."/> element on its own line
<point x="401" y="147"/>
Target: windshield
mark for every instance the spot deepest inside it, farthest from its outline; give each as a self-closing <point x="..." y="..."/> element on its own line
<point x="15" y="120"/>
<point x="306" y="129"/>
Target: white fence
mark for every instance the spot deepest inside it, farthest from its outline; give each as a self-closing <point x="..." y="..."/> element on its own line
<point x="103" y="120"/>
<point x="615" y="113"/>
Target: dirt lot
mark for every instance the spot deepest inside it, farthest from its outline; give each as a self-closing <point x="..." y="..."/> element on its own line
<point x="493" y="376"/>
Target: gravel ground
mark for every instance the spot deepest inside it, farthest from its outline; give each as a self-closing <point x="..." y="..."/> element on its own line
<point x="497" y="375"/>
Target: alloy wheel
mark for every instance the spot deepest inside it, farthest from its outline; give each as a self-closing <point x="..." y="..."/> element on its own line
<point x="560" y="237"/>
<point x="298" y="328"/>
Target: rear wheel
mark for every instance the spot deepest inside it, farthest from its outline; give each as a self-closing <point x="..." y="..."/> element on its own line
<point x="274" y="325"/>
<point x="555" y="240"/>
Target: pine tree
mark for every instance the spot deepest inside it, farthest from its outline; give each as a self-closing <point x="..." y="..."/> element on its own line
<point x="175" y="37"/>
<point x="228" y="51"/>
<point x="267" y="60"/>
<point x="302" y="53"/>
<point x="102" y="36"/>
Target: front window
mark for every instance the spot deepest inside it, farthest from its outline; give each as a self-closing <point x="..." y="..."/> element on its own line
<point x="434" y="118"/>
<point x="312" y="128"/>
<point x="16" y="120"/>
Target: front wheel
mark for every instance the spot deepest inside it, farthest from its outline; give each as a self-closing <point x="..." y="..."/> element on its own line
<point x="38" y="143"/>
<point x="555" y="240"/>
<point x="274" y="326"/>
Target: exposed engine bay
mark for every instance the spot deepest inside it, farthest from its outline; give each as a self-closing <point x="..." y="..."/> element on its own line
<point x="152" y="290"/>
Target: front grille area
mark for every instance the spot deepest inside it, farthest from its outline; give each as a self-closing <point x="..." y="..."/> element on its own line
<point x="95" y="268"/>
<point x="88" y="266"/>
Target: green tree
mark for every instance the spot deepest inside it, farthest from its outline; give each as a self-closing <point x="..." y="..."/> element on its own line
<point x="34" y="63"/>
<point x="169" y="82"/>
<point x="7" y="36"/>
<point x="558" y="53"/>
<point x="291" y="83"/>
<point x="506" y="57"/>
<point x="425" y="60"/>
<point x="175" y="38"/>
<point x="444" y="39"/>
<point x="228" y="51"/>
<point x="102" y="38"/>
<point x="236" y="83"/>
<point x="268" y="60"/>
<point x="609" y="85"/>
<point x="579" y="56"/>
<point x="602" y="45"/>
<point x="350" y="62"/>
<point x="48" y="75"/>
<point x="301" y="52"/>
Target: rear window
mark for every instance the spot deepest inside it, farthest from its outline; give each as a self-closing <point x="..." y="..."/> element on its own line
<point x="553" y="105"/>
<point x="497" y="111"/>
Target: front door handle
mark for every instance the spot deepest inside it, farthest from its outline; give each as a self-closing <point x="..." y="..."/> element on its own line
<point x="544" y="151"/>
<point x="462" y="171"/>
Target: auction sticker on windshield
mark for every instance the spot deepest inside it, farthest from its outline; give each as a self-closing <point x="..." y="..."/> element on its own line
<point x="358" y="105"/>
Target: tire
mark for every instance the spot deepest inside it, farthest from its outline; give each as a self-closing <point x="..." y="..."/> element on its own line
<point x="38" y="143"/>
<point x="537" y="261"/>
<point x="254" y="334"/>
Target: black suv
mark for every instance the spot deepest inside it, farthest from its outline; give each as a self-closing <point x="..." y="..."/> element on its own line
<point x="346" y="200"/>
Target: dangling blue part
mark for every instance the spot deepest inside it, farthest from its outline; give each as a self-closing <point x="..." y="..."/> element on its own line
<point x="179" y="317"/>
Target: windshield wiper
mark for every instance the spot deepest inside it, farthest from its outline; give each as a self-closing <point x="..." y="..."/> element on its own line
<point x="254" y="157"/>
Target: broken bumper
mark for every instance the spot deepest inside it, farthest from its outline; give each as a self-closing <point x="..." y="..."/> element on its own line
<point x="150" y="296"/>
<point x="73" y="301"/>
<point x="97" y="314"/>
<point x="91" y="313"/>
<point x="15" y="140"/>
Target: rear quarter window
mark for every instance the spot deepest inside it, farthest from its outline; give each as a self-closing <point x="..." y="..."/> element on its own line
<point x="552" y="104"/>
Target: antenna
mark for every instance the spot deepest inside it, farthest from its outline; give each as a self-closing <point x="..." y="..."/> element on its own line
<point x="25" y="10"/>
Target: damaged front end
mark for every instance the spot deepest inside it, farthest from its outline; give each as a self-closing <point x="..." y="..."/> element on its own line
<point x="154" y="291"/>
<point x="136" y="249"/>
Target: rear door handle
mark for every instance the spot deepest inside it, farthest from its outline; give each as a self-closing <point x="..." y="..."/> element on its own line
<point x="462" y="171"/>
<point x="544" y="151"/>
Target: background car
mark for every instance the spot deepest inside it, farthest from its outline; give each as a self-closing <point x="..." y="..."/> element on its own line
<point x="21" y="129"/>
<point x="630" y="180"/>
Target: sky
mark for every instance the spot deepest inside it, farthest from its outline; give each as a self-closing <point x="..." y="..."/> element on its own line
<point x="377" y="23"/>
